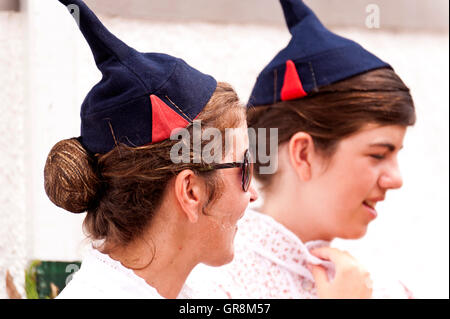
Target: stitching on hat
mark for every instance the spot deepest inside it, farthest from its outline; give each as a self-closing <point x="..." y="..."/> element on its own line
<point x="316" y="88"/>
<point x="177" y="63"/>
<point x="275" y="83"/>
<point x="179" y="109"/>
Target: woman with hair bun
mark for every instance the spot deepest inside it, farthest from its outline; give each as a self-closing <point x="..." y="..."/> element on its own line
<point x="152" y="218"/>
<point x="341" y="115"/>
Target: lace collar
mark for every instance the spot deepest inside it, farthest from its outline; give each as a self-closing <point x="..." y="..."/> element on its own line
<point x="270" y="239"/>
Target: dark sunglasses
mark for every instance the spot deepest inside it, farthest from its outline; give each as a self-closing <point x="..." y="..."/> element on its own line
<point x="246" y="169"/>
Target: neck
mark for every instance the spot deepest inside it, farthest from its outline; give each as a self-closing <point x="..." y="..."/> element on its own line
<point x="288" y="210"/>
<point x="159" y="259"/>
<point x="168" y="271"/>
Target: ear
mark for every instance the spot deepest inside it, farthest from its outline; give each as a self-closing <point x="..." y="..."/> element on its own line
<point x="189" y="192"/>
<point x="301" y="151"/>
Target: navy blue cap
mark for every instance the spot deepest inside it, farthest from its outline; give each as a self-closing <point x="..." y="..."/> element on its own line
<point x="315" y="57"/>
<point x="141" y="97"/>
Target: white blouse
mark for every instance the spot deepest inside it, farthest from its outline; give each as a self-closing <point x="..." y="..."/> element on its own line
<point x="270" y="262"/>
<point x="101" y="277"/>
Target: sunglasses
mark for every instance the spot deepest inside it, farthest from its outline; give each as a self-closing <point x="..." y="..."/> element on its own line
<point x="246" y="169"/>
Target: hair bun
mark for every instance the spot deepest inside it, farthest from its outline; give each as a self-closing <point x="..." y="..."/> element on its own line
<point x="70" y="179"/>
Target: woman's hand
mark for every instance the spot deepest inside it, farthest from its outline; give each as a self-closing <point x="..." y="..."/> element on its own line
<point x="351" y="281"/>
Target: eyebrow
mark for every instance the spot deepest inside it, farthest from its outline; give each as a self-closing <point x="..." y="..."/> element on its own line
<point x="390" y="146"/>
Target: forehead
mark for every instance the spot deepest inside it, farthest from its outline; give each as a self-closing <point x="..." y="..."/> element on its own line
<point x="376" y="134"/>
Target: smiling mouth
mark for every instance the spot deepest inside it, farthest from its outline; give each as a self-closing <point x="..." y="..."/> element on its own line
<point x="369" y="204"/>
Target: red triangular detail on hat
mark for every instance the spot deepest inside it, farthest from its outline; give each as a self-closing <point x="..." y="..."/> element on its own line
<point x="164" y="120"/>
<point x="292" y="86"/>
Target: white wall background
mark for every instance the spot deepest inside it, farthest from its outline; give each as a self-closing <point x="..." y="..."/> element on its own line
<point x="13" y="217"/>
<point x="411" y="14"/>
<point x="46" y="69"/>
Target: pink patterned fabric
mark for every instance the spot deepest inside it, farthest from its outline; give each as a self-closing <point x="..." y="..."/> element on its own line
<point x="270" y="262"/>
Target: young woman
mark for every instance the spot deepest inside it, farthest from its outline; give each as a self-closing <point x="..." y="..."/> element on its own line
<point x="152" y="217"/>
<point x="341" y="115"/>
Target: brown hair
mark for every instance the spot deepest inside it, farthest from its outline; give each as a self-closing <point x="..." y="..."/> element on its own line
<point x="122" y="189"/>
<point x="337" y="111"/>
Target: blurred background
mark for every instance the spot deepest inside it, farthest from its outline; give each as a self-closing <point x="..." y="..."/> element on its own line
<point x="46" y="70"/>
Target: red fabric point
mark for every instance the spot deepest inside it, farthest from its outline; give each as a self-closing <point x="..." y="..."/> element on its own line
<point x="292" y="86"/>
<point x="164" y="120"/>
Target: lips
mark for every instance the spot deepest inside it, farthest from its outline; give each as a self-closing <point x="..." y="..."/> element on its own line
<point x="370" y="209"/>
<point x="369" y="204"/>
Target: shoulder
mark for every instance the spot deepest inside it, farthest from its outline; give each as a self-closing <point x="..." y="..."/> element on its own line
<point x="100" y="277"/>
<point x="85" y="284"/>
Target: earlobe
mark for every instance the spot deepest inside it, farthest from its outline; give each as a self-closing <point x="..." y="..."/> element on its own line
<point x="188" y="194"/>
<point x="300" y="149"/>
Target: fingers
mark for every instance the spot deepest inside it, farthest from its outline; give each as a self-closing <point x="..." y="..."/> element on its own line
<point x="329" y="253"/>
<point x="351" y="279"/>
<point x="344" y="262"/>
<point x="319" y="273"/>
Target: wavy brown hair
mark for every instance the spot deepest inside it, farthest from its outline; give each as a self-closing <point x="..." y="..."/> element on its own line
<point x="335" y="112"/>
<point x="122" y="189"/>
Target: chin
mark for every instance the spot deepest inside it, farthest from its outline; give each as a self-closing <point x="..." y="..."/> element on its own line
<point x="354" y="233"/>
<point x="221" y="260"/>
<point x="358" y="233"/>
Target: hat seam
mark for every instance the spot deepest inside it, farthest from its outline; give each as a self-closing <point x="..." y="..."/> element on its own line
<point x="179" y="109"/>
<point x="307" y="58"/>
<point x="187" y="118"/>
<point x="311" y="69"/>
<point x="168" y="79"/>
<point x="111" y="107"/>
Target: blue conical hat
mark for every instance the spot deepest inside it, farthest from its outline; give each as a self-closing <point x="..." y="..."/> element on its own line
<point x="315" y="57"/>
<point x="141" y="97"/>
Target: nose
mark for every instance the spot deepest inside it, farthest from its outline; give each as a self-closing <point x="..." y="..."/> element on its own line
<point x="253" y="193"/>
<point x="391" y="178"/>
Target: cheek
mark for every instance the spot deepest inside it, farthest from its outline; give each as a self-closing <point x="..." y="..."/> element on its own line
<point x="344" y="188"/>
<point x="233" y="199"/>
<point x="224" y="214"/>
<point x="365" y="178"/>
<point x="233" y="205"/>
<point x="358" y="180"/>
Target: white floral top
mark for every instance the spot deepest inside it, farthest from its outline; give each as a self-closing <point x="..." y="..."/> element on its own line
<point x="270" y="262"/>
<point x="101" y="277"/>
